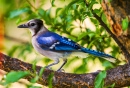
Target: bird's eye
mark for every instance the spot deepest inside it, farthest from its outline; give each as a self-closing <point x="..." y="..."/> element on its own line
<point x="32" y="24"/>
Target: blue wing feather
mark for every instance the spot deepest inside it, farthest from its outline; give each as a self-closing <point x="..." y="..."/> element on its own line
<point x="47" y="39"/>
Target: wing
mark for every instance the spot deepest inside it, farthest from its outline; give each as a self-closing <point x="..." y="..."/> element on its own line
<point x="53" y="41"/>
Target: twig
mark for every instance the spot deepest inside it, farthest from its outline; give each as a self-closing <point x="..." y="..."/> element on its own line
<point x="34" y="8"/>
<point x="15" y="39"/>
<point x="31" y="5"/>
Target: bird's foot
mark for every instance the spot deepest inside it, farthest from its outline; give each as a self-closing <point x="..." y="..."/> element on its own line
<point x="60" y="70"/>
<point x="50" y="68"/>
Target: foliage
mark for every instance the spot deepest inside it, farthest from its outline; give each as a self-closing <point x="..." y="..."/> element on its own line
<point x="10" y="76"/>
<point x="63" y="20"/>
<point x="99" y="81"/>
<point x="125" y="23"/>
<point x="14" y="77"/>
<point x="50" y="77"/>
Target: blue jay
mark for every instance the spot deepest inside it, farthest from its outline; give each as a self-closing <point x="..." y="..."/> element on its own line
<point x="54" y="46"/>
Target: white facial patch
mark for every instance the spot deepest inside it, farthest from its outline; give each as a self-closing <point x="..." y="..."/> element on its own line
<point x="32" y="31"/>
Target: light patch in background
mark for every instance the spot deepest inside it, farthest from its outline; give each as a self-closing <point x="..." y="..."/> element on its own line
<point x="94" y="65"/>
<point x="73" y="65"/>
<point x="81" y="27"/>
<point x="108" y="50"/>
<point x="80" y="54"/>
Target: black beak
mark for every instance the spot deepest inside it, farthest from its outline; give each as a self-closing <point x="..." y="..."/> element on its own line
<point x="22" y="26"/>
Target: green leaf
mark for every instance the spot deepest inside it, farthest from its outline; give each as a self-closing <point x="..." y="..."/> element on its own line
<point x="70" y="4"/>
<point x="57" y="10"/>
<point x="99" y="80"/>
<point x="74" y="6"/>
<point x="50" y="77"/>
<point x="52" y="3"/>
<point x="18" y="21"/>
<point x="104" y="19"/>
<point x="34" y="1"/>
<point x="82" y="35"/>
<point x="34" y="87"/>
<point x="47" y="17"/>
<point x="91" y="34"/>
<point x="34" y="65"/>
<point x="18" y="12"/>
<point x="89" y="14"/>
<point x="107" y="65"/>
<point x="109" y="0"/>
<point x="41" y="11"/>
<point x="92" y="42"/>
<point x="94" y="20"/>
<point x="96" y="11"/>
<point x="14" y="76"/>
<point x="48" y="12"/>
<point x="41" y="71"/>
<point x="34" y="80"/>
<point x="110" y="86"/>
<point x="12" y="50"/>
<point x="125" y="23"/>
<point x="100" y="1"/>
<point x="91" y="4"/>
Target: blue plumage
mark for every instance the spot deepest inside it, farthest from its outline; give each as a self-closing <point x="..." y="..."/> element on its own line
<point x="55" y="46"/>
<point x="49" y="39"/>
<point x="96" y="53"/>
<point x="60" y="43"/>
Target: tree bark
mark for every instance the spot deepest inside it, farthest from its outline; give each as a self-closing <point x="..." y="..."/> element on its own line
<point x="116" y="11"/>
<point x="119" y="75"/>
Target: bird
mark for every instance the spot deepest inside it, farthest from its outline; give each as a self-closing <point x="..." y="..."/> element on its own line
<point x="55" y="46"/>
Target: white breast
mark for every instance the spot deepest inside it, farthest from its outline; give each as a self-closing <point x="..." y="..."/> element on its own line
<point x="50" y="54"/>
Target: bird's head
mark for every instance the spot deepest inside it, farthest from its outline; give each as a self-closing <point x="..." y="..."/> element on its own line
<point x="34" y="25"/>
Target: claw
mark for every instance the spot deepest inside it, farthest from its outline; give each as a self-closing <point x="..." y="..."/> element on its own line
<point x="50" y="68"/>
<point x="60" y="70"/>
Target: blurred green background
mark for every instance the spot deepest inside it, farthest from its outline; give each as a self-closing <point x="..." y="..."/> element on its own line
<point x="69" y="18"/>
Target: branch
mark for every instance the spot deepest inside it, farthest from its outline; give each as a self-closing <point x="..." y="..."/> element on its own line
<point x="115" y="17"/>
<point x="15" y="39"/>
<point x="119" y="75"/>
<point x="122" y="47"/>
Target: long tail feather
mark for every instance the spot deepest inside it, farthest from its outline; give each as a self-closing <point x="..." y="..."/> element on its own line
<point x="99" y="54"/>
